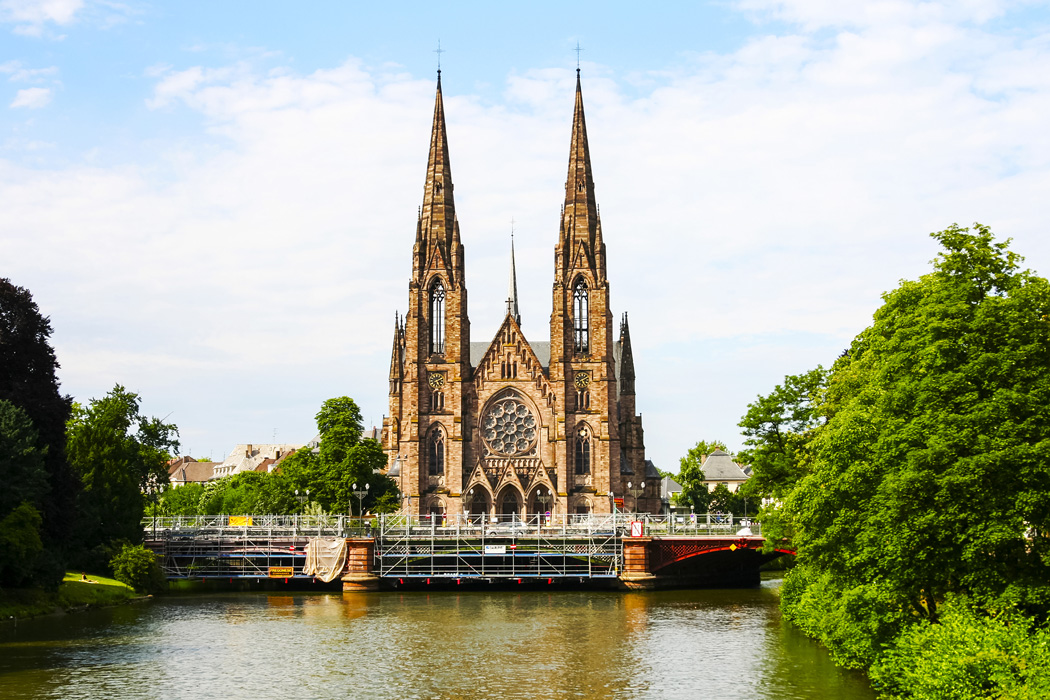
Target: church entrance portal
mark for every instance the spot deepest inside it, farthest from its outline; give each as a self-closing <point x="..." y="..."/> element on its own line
<point x="510" y="504"/>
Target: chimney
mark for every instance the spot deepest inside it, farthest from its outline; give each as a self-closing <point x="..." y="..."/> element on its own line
<point x="248" y="451"/>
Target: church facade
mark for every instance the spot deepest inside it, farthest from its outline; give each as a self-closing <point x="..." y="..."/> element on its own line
<point x="511" y="426"/>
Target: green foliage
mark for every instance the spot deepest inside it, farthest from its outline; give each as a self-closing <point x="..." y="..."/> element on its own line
<point x="137" y="567"/>
<point x="968" y="655"/>
<point x="20" y="544"/>
<point x="182" y="500"/>
<point x="722" y="500"/>
<point x="778" y="428"/>
<point x="343" y="459"/>
<point x="22" y="470"/>
<point x="28" y="381"/>
<point x="119" y="456"/>
<point x="918" y="469"/>
<point x="690" y="475"/>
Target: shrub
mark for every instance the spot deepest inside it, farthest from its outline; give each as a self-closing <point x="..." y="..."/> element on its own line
<point x="137" y="567"/>
<point x="967" y="654"/>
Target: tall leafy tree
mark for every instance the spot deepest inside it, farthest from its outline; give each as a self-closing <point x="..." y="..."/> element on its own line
<point x="24" y="476"/>
<point x="932" y="475"/>
<point x="119" y="455"/>
<point x="777" y="428"/>
<point x="28" y="381"/>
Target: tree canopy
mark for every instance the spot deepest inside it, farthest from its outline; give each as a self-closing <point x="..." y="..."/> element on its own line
<point x="918" y="468"/>
<point x="343" y="459"/>
<point x="120" y="456"/>
<point x="28" y="382"/>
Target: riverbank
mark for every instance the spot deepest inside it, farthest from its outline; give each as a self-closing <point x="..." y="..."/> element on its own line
<point x="72" y="594"/>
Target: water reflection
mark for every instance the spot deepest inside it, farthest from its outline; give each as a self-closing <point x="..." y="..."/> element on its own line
<point x="724" y="644"/>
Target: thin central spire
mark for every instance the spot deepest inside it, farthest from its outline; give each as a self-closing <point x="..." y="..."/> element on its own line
<point x="512" y="288"/>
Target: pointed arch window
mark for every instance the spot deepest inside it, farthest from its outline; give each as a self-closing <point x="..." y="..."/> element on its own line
<point x="580" y="317"/>
<point x="436" y="453"/>
<point x="583" y="451"/>
<point x="437" y="318"/>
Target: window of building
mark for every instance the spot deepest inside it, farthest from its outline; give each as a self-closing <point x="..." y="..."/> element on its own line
<point x="580" y="317"/>
<point x="583" y="451"/>
<point x="437" y="317"/>
<point x="436" y="453"/>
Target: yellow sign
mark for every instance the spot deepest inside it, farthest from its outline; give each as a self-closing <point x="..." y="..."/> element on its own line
<point x="240" y="521"/>
<point x="732" y="548"/>
<point x="281" y="571"/>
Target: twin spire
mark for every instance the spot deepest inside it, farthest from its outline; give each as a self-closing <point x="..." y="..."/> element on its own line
<point x="438" y="229"/>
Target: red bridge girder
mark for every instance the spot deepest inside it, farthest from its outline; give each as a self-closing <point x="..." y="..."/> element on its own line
<point x="666" y="551"/>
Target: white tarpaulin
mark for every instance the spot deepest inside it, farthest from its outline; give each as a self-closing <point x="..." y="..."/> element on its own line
<point x="325" y="557"/>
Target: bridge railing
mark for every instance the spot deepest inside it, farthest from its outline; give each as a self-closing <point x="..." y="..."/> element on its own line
<point x="389" y="524"/>
<point x="271" y="525"/>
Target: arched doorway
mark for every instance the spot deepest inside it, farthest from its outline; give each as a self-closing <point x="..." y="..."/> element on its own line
<point x="510" y="504"/>
<point x="476" y="503"/>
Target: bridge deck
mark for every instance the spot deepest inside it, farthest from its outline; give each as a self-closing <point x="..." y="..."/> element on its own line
<point x="254" y="547"/>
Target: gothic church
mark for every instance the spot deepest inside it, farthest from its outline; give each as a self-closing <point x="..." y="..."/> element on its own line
<point x="513" y="427"/>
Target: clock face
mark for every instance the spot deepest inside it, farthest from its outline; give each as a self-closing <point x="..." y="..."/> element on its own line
<point x="581" y="380"/>
<point x="437" y="380"/>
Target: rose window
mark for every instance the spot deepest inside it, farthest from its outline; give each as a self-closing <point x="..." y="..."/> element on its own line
<point x="509" y="428"/>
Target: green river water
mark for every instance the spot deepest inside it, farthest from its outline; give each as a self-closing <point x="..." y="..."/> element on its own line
<point x="718" y="644"/>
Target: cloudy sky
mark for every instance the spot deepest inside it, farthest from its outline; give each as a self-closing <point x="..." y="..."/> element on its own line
<point x="215" y="202"/>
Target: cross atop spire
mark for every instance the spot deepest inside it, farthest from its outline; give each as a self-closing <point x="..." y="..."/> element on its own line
<point x="512" y="288"/>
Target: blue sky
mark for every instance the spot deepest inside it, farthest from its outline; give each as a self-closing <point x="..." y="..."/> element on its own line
<point x="215" y="202"/>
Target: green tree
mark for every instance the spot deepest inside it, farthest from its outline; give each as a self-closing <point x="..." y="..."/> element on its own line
<point x="777" y="428"/>
<point x="28" y="380"/>
<point x="931" y="476"/>
<point x="137" y="567"/>
<point x="118" y="455"/>
<point x="24" y="476"/>
<point x="183" y="500"/>
<point x="690" y="475"/>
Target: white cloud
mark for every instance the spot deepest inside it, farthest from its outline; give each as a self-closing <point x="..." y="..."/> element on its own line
<point x="32" y="16"/>
<point x="754" y="204"/>
<point x="20" y="74"/>
<point x="32" y="98"/>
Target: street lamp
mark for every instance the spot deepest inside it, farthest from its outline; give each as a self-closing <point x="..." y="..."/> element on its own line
<point x="636" y="491"/>
<point x="544" y="499"/>
<point x="360" y="499"/>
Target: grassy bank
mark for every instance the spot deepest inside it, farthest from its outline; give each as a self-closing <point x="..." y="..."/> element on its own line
<point x="72" y="594"/>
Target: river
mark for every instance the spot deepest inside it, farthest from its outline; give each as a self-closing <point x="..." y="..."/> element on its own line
<point x="718" y="644"/>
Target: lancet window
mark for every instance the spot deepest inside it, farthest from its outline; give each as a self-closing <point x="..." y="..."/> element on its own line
<point x="580" y="317"/>
<point x="436" y="453"/>
<point x="437" y="318"/>
<point x="583" y="451"/>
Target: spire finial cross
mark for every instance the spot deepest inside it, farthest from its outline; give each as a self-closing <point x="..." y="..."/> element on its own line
<point x="577" y="50"/>
<point x="439" y="51"/>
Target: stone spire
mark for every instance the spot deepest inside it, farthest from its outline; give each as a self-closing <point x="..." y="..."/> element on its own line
<point x="581" y="211"/>
<point x="512" y="288"/>
<point x="437" y="231"/>
<point x="580" y="243"/>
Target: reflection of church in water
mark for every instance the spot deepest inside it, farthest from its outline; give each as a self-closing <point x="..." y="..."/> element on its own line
<point x="512" y="426"/>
